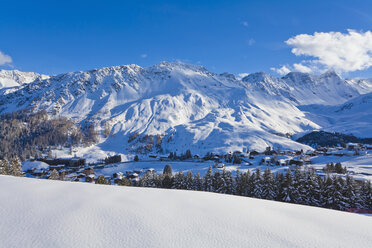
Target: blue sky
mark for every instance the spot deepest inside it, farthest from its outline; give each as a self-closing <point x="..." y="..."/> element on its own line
<point x="224" y="36"/>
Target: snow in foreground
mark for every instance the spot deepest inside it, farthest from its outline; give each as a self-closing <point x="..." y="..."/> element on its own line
<point x="43" y="213"/>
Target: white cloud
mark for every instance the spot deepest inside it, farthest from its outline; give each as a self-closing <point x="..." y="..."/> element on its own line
<point x="342" y="52"/>
<point x="302" y="68"/>
<point x="144" y="55"/>
<point x="5" y="59"/>
<point x="245" y="24"/>
<point x="282" y="70"/>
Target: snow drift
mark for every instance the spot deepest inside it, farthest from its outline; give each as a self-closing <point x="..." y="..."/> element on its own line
<point x="42" y="213"/>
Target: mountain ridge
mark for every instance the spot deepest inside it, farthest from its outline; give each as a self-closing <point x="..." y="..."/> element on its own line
<point x="190" y="107"/>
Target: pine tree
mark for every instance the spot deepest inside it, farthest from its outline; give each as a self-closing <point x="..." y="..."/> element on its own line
<point x="54" y="175"/>
<point x="208" y="180"/>
<point x="124" y="182"/>
<point x="338" y="200"/>
<point x="298" y="191"/>
<point x="167" y="181"/>
<point x="15" y="168"/>
<point x="136" y="159"/>
<point x="179" y="181"/>
<point x="198" y="182"/>
<point x="257" y="181"/>
<point x="4" y="167"/>
<point x="167" y="170"/>
<point x="313" y="188"/>
<point x="366" y="195"/>
<point x="101" y="180"/>
<point x="218" y="182"/>
<point x="239" y="183"/>
<point x="268" y="190"/>
<point x="189" y="181"/>
<point x="287" y="187"/>
<point x="351" y="193"/>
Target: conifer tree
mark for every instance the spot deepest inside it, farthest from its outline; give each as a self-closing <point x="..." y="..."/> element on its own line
<point x="208" y="180"/>
<point x="167" y="170"/>
<point x="15" y="168"/>
<point x="198" y="182"/>
<point x="124" y="182"/>
<point x="54" y="175"/>
<point x="179" y="181"/>
<point x="4" y="167"/>
<point x="257" y="181"/>
<point x="268" y="187"/>
<point x="366" y="195"/>
<point x="102" y="180"/>
<point x="189" y="181"/>
<point x="287" y="187"/>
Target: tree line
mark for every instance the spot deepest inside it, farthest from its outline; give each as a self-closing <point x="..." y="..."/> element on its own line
<point x="300" y="186"/>
<point x="26" y="134"/>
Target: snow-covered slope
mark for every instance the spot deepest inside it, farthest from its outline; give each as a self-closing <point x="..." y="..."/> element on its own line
<point x="14" y="78"/>
<point x="43" y="213"/>
<point x="352" y="117"/>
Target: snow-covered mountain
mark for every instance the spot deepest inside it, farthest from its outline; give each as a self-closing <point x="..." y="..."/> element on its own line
<point x="304" y="89"/>
<point x="14" y="78"/>
<point x="188" y="106"/>
<point x="352" y="117"/>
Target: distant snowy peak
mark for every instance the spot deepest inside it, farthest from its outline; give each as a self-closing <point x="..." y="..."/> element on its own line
<point x="14" y="78"/>
<point x="363" y="86"/>
<point x="327" y="89"/>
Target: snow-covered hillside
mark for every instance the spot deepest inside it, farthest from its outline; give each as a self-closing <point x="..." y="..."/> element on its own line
<point x="43" y="213"/>
<point x="188" y="106"/>
<point x="352" y="117"/>
<point x="14" y="78"/>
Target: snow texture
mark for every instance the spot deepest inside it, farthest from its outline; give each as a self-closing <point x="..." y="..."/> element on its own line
<point x="43" y="213"/>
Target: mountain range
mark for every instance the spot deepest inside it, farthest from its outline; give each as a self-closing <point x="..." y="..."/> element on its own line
<point x="189" y="107"/>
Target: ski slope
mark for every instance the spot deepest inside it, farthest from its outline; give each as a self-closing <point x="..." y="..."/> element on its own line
<point x="42" y="213"/>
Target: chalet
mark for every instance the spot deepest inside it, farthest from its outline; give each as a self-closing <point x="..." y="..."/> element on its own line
<point x="57" y="167"/>
<point x="150" y="170"/>
<point x="117" y="177"/>
<point x="196" y="156"/>
<point x="305" y="159"/>
<point x="339" y="153"/>
<point x="88" y="171"/>
<point x="38" y="173"/>
<point x="164" y="158"/>
<point x="368" y="147"/>
<point x="89" y="178"/>
<point x="219" y="165"/>
<point x="352" y="146"/>
<point x="349" y="153"/>
<point x="30" y="170"/>
<point x="266" y="160"/>
<point x="297" y="162"/>
<point x="81" y="175"/>
<point x="282" y="162"/>
<point x="254" y="153"/>
<point x="133" y="177"/>
<point x="153" y="156"/>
